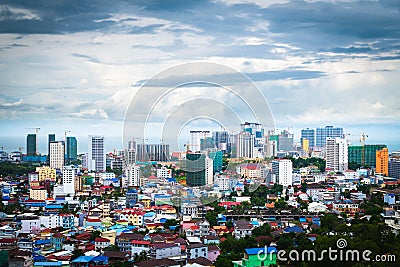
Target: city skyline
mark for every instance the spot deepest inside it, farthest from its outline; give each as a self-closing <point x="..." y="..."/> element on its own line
<point x="76" y="66"/>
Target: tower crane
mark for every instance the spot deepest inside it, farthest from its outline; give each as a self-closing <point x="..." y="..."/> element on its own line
<point x="65" y="136"/>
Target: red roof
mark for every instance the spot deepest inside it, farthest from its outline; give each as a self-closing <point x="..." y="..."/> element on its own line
<point x="141" y="242"/>
<point x="93" y="220"/>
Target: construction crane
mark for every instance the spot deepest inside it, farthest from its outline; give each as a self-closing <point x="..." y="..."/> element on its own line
<point x="37" y="140"/>
<point x="65" y="136"/>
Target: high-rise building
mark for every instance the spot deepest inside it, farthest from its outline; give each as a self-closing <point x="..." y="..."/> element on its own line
<point x="394" y="167"/>
<point x="31" y="147"/>
<point x="195" y="140"/>
<point x="96" y="159"/>
<point x="217" y="157"/>
<point x="257" y="131"/>
<point x="221" y="141"/>
<point x="364" y="155"/>
<point x="282" y="170"/>
<point x="244" y="145"/>
<point x="132" y="174"/>
<point x="382" y="161"/>
<point x="285" y="141"/>
<point x="57" y="154"/>
<point x="328" y="131"/>
<point x="51" y="138"/>
<point x="305" y="144"/>
<point x="68" y="179"/>
<point x="199" y="169"/>
<point x="72" y="149"/>
<point x="308" y="134"/>
<point x="336" y="154"/>
<point x="152" y="152"/>
<point x="130" y="152"/>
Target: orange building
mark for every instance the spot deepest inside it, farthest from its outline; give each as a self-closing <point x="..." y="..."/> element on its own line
<point x="382" y="161"/>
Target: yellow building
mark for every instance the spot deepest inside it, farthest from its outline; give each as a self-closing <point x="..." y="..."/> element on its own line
<point x="305" y="144"/>
<point x="46" y="173"/>
<point x="78" y="183"/>
<point x="38" y="194"/>
<point x="110" y="235"/>
<point x="382" y="161"/>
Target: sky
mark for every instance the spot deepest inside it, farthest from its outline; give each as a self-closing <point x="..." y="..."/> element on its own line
<point x="77" y="65"/>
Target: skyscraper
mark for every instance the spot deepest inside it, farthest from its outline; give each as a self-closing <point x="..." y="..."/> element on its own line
<point x="52" y="138"/>
<point x="285" y="142"/>
<point x="382" y="161"/>
<point x="57" y="154"/>
<point x="96" y="159"/>
<point x="257" y="131"/>
<point x="328" y="131"/>
<point x="72" y="149"/>
<point x="308" y="134"/>
<point x="195" y="140"/>
<point x="199" y="169"/>
<point x="394" y="167"/>
<point x="221" y="141"/>
<point x="31" y="148"/>
<point x="68" y="179"/>
<point x="336" y="154"/>
<point x="217" y="157"/>
<point x="282" y="170"/>
<point x="245" y="145"/>
<point x="152" y="152"/>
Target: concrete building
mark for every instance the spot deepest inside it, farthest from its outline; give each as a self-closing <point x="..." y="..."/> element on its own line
<point x="394" y="168"/>
<point x="96" y="158"/>
<point x="195" y="140"/>
<point x="336" y="154"/>
<point x="57" y="154"/>
<point x="328" y="131"/>
<point x="68" y="178"/>
<point x="132" y="173"/>
<point x="382" y="161"/>
<point x="152" y="152"/>
<point x="199" y="169"/>
<point x="364" y="155"/>
<point x="46" y="173"/>
<point x="282" y="170"/>
<point x="244" y="145"/>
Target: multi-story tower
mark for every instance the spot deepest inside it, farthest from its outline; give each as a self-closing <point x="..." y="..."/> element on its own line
<point x="221" y="141"/>
<point x="152" y="152"/>
<point x="72" y="149"/>
<point x="217" y="158"/>
<point x="336" y="154"/>
<point x="132" y="173"/>
<point x="285" y="141"/>
<point x="328" y="131"/>
<point x="68" y="179"/>
<point x="394" y="167"/>
<point x="96" y="159"/>
<point x="130" y="152"/>
<point x="382" y="161"/>
<point x="257" y="131"/>
<point x="57" y="154"/>
<point x="244" y="145"/>
<point x="308" y="134"/>
<point x="51" y="138"/>
<point x="31" y="148"/>
<point x="199" y="169"/>
<point x="282" y="170"/>
<point x="195" y="140"/>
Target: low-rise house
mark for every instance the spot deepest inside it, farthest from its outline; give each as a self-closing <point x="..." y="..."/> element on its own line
<point x="194" y="251"/>
<point x="164" y="250"/>
<point x="257" y="257"/>
<point x="213" y="253"/>
<point x="100" y="243"/>
<point x="242" y="229"/>
<point x="124" y="241"/>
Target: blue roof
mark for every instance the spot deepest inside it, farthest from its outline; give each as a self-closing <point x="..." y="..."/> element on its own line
<point x="294" y="229"/>
<point x="83" y="259"/>
<point x="42" y="242"/>
<point x="48" y="263"/>
<point x="39" y="258"/>
<point x="132" y="191"/>
<point x="171" y="180"/>
<point x="99" y="258"/>
<point x="256" y="251"/>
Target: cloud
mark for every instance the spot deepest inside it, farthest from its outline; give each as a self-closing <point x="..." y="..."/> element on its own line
<point x="5" y="104"/>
